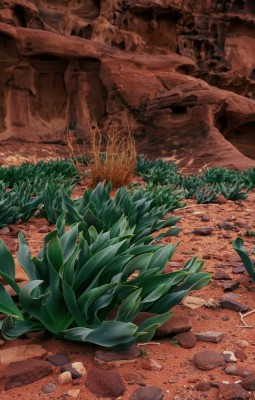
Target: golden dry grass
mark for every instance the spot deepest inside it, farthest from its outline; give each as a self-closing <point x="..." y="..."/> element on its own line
<point x="113" y="157"/>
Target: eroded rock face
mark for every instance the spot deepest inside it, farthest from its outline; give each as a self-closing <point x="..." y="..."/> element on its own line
<point x="68" y="61"/>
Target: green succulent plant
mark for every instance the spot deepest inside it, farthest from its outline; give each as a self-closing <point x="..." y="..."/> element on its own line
<point x="91" y="290"/>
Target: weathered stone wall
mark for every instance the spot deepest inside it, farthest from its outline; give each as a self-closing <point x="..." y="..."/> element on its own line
<point x="181" y="71"/>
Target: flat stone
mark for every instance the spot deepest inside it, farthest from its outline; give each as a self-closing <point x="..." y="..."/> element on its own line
<point x="235" y="370"/>
<point x="117" y="358"/>
<point x="187" y="340"/>
<point x="73" y="393"/>
<point x="148" y="393"/>
<point x="22" y="352"/>
<point x="233" y="392"/>
<point x="177" y="324"/>
<point x="193" y="302"/>
<point x="203" y="386"/>
<point x="229" y="356"/>
<point x="238" y="270"/>
<point x="207" y="360"/>
<point x="203" y="231"/>
<point x="230" y="285"/>
<point x="134" y="379"/>
<point x="226" y="226"/>
<point x="21" y="373"/>
<point x="234" y="305"/>
<point x="49" y="388"/>
<point x="105" y="383"/>
<point x="221" y="275"/>
<point x="210" y="336"/>
<point x="5" y="230"/>
<point x="248" y="382"/>
<point x="58" y="359"/>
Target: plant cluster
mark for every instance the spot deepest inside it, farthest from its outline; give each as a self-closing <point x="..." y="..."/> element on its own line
<point x="91" y="289"/>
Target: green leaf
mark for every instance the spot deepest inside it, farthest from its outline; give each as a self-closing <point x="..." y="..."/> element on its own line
<point x="130" y="307"/>
<point x="7" y="305"/>
<point x="12" y="327"/>
<point x="243" y="254"/>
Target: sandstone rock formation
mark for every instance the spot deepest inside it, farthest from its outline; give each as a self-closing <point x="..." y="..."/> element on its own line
<point x="181" y="71"/>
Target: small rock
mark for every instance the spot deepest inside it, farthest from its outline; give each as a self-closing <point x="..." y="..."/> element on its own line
<point x="73" y="393"/>
<point x="177" y="324"/>
<point x="233" y="392"/>
<point x="226" y="226"/>
<point x="234" y="305"/>
<point x="69" y="368"/>
<point x="242" y="344"/>
<point x="205" y="219"/>
<point x="211" y="336"/>
<point x="203" y="386"/>
<point x="238" y="270"/>
<point x="2" y="343"/>
<point x="49" y="388"/>
<point x="229" y="356"/>
<point x="204" y="231"/>
<point x="208" y="359"/>
<point x="235" y="370"/>
<point x="225" y="318"/>
<point x="64" y="378"/>
<point x="221" y="275"/>
<point x="240" y="354"/>
<point x="23" y="372"/>
<point x="58" y="359"/>
<point x="105" y="383"/>
<point x="22" y="352"/>
<point x="117" y="358"/>
<point x="248" y="382"/>
<point x="193" y="302"/>
<point x="230" y="285"/>
<point x="151" y="365"/>
<point x="79" y="368"/>
<point x="187" y="340"/>
<point x="148" y="393"/>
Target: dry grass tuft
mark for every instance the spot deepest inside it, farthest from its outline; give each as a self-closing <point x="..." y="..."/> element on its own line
<point x="113" y="157"/>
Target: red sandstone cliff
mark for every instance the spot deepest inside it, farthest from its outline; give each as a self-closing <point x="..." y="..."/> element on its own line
<point x="183" y="71"/>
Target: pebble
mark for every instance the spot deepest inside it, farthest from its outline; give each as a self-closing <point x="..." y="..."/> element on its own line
<point x="210" y="336"/>
<point x="233" y="392"/>
<point x="208" y="359"/>
<point x="229" y="356"/>
<point x="148" y="393"/>
<point x="242" y="344"/>
<point x="237" y="371"/>
<point x="49" y="388"/>
<point x="58" y="359"/>
<point x="105" y="383"/>
<point x="64" y="378"/>
<point x="203" y="231"/>
<point x="203" y="386"/>
<point x="187" y="340"/>
<point x="193" y="302"/>
<point x="234" y="305"/>
<point x="230" y="285"/>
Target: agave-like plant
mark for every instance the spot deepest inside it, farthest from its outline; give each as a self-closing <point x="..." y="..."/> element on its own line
<point x="91" y="290"/>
